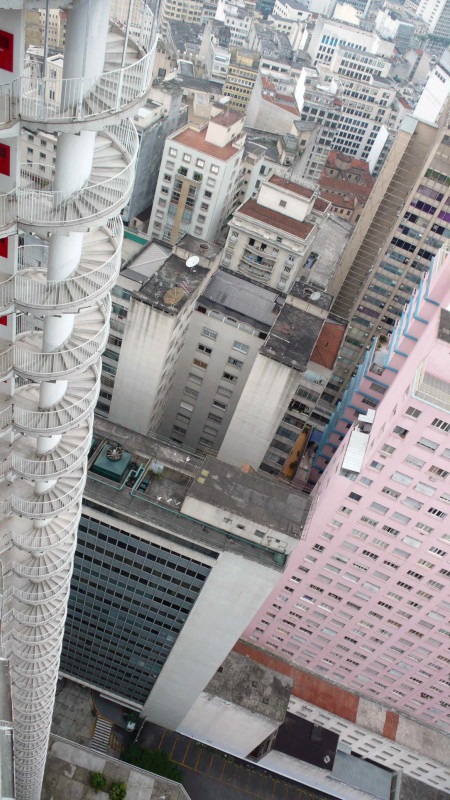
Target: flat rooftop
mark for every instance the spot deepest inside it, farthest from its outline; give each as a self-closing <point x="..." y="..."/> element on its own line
<point x="169" y="288"/>
<point x="311" y="294"/>
<point x="153" y="503"/>
<point x="293" y="337"/>
<point x="332" y="237"/>
<point x="198" y="247"/>
<point x="145" y="262"/>
<point x="247" y="301"/>
<point x="252" y="686"/>
<point x="264" y="501"/>
<point x="69" y="768"/>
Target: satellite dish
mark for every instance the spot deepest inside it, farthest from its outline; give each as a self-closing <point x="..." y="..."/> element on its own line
<point x="192" y="262"/>
<point x="315" y="296"/>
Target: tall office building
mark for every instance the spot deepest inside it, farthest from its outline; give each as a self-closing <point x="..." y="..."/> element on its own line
<point x="401" y="228"/>
<point x="55" y="305"/>
<point x="364" y="600"/>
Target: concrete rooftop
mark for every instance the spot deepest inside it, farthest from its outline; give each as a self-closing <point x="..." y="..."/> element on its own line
<point x="264" y="501"/>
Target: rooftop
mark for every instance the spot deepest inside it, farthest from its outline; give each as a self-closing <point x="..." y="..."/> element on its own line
<point x="154" y="503"/>
<point x="264" y="501"/>
<point x="250" y="685"/>
<point x="311" y="294"/>
<point x="145" y="262"/>
<point x="306" y="741"/>
<point x="328" y="344"/>
<point x="296" y="188"/>
<point x="69" y="768"/>
<point x="276" y="220"/>
<point x="293" y="337"/>
<point x="227" y="118"/>
<point x="198" y="247"/>
<point x="332" y="236"/>
<point x="197" y="141"/>
<point x="201" y="85"/>
<point x="248" y="301"/>
<point x="169" y="288"/>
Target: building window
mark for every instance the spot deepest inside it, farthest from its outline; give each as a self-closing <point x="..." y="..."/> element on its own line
<point x="214" y="169"/>
<point x="195" y="378"/>
<point x="230" y="378"/>
<point x="200" y="364"/>
<point x="209" y="333"/>
<point x="200" y="162"/>
<point x="413" y="412"/>
<point x="283" y="203"/>
<point x="172" y="152"/>
<point x="243" y="348"/>
<point x="204" y="349"/>
<point x="186" y="158"/>
<point x="234" y="362"/>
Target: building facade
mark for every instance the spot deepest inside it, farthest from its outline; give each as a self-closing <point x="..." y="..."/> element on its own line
<point x="168" y="543"/>
<point x="197" y="178"/>
<point x="55" y="305"/>
<point x="364" y="601"/>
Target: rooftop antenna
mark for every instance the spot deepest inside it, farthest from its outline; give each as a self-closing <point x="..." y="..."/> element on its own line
<point x="192" y="262"/>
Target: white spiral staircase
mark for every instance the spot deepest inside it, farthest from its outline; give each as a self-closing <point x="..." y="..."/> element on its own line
<point x="56" y="299"/>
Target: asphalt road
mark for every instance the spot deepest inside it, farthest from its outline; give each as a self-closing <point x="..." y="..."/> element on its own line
<point x="210" y="775"/>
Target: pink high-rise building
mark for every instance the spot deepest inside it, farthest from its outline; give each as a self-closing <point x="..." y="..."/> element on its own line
<point x="364" y="602"/>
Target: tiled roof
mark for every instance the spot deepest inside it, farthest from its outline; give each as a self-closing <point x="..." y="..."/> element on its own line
<point x="296" y="188"/>
<point x="276" y="220"/>
<point x="196" y="139"/>
<point x="339" y="200"/>
<point x="327" y="345"/>
<point x="320" y="204"/>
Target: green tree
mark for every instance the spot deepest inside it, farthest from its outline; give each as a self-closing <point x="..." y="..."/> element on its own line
<point x="98" y="781"/>
<point x="118" y="791"/>
<point x="157" y="761"/>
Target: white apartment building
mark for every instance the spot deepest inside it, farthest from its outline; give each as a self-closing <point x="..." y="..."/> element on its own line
<point x="271" y="238"/>
<point x="329" y="34"/>
<point x="431" y="11"/>
<point x="228" y="328"/>
<point x="155" y="315"/>
<point x="197" y="178"/>
<point x="239" y="22"/>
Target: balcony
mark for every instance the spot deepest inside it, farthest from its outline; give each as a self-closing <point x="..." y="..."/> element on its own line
<point x="431" y="389"/>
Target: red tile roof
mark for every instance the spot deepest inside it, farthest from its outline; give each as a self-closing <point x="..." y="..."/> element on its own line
<point x="321" y="204"/>
<point x="296" y="188"/>
<point x="404" y="102"/>
<point x="276" y="220"/>
<point x="327" y="345"/>
<point x="196" y="139"/>
<point x="339" y="200"/>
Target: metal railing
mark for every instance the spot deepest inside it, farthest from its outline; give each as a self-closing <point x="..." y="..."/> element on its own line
<point x="51" y="465"/>
<point x="45" y="508"/>
<point x="30" y="205"/>
<point x="42" y="99"/>
<point x="58" y="419"/>
<point x="73" y="290"/>
<point x="62" y="362"/>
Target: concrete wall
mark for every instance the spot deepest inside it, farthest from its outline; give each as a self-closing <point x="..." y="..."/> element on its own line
<point x="229" y="599"/>
<point x="229" y="727"/>
<point x="218" y="517"/>
<point x="222" y="348"/>
<point x="263" y="403"/>
<point x="148" y="334"/>
<point x="151" y="148"/>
